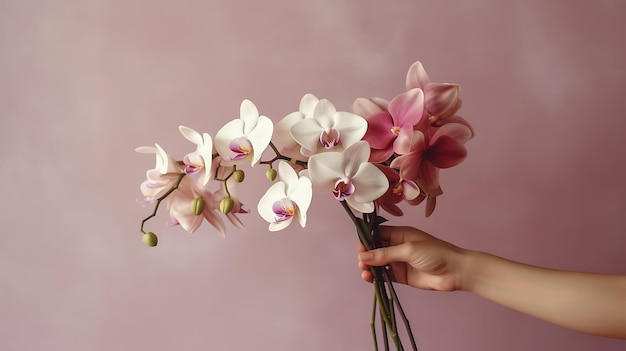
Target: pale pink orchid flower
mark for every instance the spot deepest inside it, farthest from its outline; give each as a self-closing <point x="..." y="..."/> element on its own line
<point x="289" y="146"/>
<point x="349" y="176"/>
<point x="391" y="130"/>
<point x="286" y="199"/>
<point x="328" y="130"/>
<point x="181" y="212"/>
<point x="441" y="100"/>
<point x="244" y="139"/>
<point x="198" y="163"/>
<point x="162" y="177"/>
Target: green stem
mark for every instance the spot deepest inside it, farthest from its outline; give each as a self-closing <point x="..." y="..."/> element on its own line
<point x="156" y="207"/>
<point x="373" y="324"/>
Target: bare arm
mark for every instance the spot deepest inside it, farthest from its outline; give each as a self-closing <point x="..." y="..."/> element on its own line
<point x="586" y="302"/>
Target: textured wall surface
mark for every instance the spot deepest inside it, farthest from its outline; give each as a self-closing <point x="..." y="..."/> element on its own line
<point x="82" y="83"/>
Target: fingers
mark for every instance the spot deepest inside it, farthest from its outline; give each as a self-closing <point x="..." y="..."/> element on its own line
<point x="392" y="235"/>
<point x="385" y="256"/>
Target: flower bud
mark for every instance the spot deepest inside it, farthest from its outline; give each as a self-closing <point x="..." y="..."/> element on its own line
<point x="197" y="206"/>
<point x="239" y="175"/>
<point x="271" y="174"/>
<point x="226" y="205"/>
<point x="150" y="239"/>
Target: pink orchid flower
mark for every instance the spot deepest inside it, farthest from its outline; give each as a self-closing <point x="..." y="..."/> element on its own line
<point x="399" y="190"/>
<point x="444" y="149"/>
<point x="390" y="130"/>
<point x="441" y="100"/>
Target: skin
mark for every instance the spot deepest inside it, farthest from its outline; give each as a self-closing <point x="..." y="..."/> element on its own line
<point x="586" y="302"/>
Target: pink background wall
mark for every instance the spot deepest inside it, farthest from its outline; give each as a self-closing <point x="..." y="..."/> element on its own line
<point x="82" y="83"/>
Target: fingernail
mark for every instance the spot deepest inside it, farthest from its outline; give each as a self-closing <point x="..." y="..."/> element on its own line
<point x="366" y="256"/>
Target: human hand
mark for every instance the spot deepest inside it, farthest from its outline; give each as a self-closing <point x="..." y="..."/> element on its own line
<point x="416" y="259"/>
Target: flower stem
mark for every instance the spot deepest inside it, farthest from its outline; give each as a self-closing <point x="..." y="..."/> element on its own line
<point x="156" y="207"/>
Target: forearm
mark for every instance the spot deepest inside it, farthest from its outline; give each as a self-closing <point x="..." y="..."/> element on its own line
<point x="590" y="303"/>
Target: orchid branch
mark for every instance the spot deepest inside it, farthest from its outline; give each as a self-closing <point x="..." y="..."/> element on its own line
<point x="158" y="203"/>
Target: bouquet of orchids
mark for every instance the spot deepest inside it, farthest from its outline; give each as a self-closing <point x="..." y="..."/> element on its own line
<point x="371" y="159"/>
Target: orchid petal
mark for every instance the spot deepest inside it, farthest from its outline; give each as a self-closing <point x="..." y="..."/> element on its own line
<point x="366" y="107"/>
<point x="370" y="183"/>
<point x="307" y="105"/>
<point x="363" y="207"/>
<point x="402" y="144"/>
<point x="446" y="152"/>
<point x="302" y="196"/>
<point x="379" y="134"/>
<point x="416" y="77"/>
<point x="249" y="114"/>
<point x="283" y="129"/>
<point x="351" y="126"/>
<point x="408" y="107"/>
<point x="457" y="131"/>
<point x="229" y="132"/>
<point x="410" y="190"/>
<point x="354" y="156"/>
<point x="274" y="193"/>
<point x="307" y="133"/>
<point x="287" y="175"/>
<point x="378" y="156"/>
<point x="324" y="169"/>
<point x="324" y="112"/>
<point x="276" y="226"/>
<point x="191" y="135"/>
<point x="260" y="137"/>
<point x="441" y="98"/>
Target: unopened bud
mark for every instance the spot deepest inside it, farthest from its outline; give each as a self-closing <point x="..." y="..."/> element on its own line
<point x="150" y="239"/>
<point x="239" y="175"/>
<point x="197" y="206"/>
<point x="226" y="205"/>
<point x="271" y="174"/>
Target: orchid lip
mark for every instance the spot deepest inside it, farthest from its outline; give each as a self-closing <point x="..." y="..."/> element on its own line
<point x="284" y="209"/>
<point x="241" y="148"/>
<point x="330" y="138"/>
<point x="342" y="189"/>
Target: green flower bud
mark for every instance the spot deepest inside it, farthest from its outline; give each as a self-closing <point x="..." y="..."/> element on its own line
<point x="197" y="206"/>
<point x="226" y="205"/>
<point x="271" y="174"/>
<point x="150" y="239"/>
<point x="239" y="175"/>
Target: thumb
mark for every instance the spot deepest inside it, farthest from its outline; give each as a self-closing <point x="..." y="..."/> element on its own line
<point x="385" y="255"/>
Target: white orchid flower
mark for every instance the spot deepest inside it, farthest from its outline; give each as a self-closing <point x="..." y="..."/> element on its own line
<point x="162" y="177"/>
<point x="245" y="138"/>
<point x="199" y="161"/>
<point x="329" y="129"/>
<point x="283" y="137"/>
<point x="288" y="198"/>
<point x="349" y="176"/>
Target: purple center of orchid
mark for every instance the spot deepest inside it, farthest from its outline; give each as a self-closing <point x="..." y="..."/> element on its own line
<point x="241" y="147"/>
<point x="329" y="138"/>
<point x="284" y="209"/>
<point x="342" y="189"/>
<point x="190" y="168"/>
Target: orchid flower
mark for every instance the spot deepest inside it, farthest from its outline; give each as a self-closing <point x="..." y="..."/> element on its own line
<point x="349" y="176"/>
<point x="441" y="100"/>
<point x="286" y="199"/>
<point x="182" y="213"/>
<point x="246" y="138"/>
<point x="162" y="177"/>
<point x="328" y="130"/>
<point x="199" y="161"/>
<point x="289" y="147"/>
<point x="399" y="189"/>
<point x="391" y="130"/>
<point x="429" y="154"/>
